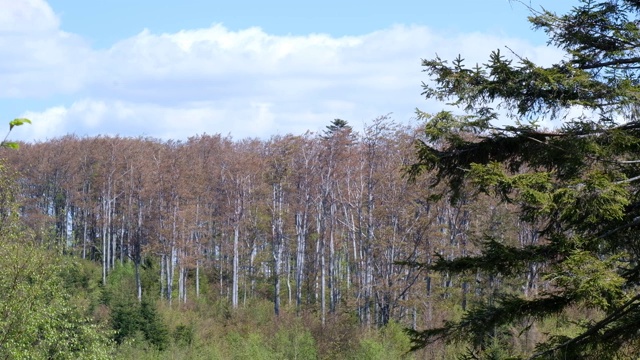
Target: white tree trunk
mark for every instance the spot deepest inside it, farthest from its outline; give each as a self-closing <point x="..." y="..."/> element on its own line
<point x="234" y="290"/>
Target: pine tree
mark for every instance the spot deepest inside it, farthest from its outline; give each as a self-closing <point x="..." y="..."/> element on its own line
<point x="579" y="184"/>
<point x="336" y="126"/>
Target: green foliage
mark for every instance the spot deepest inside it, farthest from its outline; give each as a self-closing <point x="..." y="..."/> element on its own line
<point x="294" y="342"/>
<point x="593" y="280"/>
<point x="577" y="185"/>
<point x="134" y="320"/>
<point x="125" y="320"/>
<point x="13" y="123"/>
<point x="152" y="326"/>
<point x="370" y="349"/>
<point x="39" y="316"/>
<point x="250" y="347"/>
<point x="130" y="318"/>
<point x="37" y="319"/>
<point x="338" y="337"/>
<point x="337" y="125"/>
<point x="391" y="342"/>
<point x="18" y="122"/>
<point x="183" y="335"/>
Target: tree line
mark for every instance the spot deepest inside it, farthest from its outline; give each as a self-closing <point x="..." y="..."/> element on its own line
<point x="316" y="222"/>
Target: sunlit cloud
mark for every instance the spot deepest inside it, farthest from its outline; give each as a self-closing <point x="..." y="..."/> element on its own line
<point x="215" y="80"/>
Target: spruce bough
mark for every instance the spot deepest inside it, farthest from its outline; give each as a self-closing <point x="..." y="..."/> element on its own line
<point x="578" y="184"/>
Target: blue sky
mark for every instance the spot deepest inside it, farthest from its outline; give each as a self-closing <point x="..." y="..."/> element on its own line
<point x="172" y="69"/>
<point x="119" y="19"/>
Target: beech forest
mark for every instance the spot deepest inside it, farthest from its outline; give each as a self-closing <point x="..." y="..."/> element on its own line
<point x="320" y="225"/>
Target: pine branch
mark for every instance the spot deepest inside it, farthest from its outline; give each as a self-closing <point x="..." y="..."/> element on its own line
<point x="602" y="64"/>
<point x="621" y="311"/>
<point x="635" y="221"/>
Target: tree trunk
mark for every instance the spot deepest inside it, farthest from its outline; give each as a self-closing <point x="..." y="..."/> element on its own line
<point x="300" y="252"/>
<point x="197" y="279"/>
<point x="278" y="234"/>
<point x="136" y="265"/>
<point x="170" y="271"/>
<point x="234" y="290"/>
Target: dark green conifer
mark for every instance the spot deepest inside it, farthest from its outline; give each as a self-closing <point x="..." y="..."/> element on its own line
<point x="579" y="183"/>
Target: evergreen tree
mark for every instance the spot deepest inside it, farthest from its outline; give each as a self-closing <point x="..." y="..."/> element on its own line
<point x="337" y="126"/>
<point x="578" y="184"/>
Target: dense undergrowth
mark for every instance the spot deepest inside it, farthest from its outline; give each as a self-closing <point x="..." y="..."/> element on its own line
<point x="208" y="328"/>
<point x="68" y="314"/>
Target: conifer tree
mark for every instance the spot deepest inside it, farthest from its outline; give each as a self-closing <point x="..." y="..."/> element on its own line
<point x="579" y="184"/>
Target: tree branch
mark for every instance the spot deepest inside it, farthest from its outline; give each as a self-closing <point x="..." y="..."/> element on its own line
<point x="596" y="65"/>
<point x="627" y="180"/>
<point x="623" y="310"/>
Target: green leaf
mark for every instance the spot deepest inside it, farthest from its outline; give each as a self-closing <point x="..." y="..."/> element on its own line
<point x="10" y="145"/>
<point x="18" y="122"/>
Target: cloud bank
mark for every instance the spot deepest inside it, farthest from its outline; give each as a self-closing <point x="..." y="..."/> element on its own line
<point x="246" y="83"/>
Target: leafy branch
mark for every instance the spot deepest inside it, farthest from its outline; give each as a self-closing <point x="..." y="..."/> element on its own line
<point x="13" y="123"/>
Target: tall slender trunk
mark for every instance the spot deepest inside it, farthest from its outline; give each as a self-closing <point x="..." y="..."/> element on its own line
<point x="84" y="219"/>
<point x="289" y="292"/>
<point x="185" y="277"/>
<point x="104" y="256"/>
<point x="197" y="279"/>
<point x="136" y="252"/>
<point x="136" y="265"/>
<point x="122" y="232"/>
<point x="112" y="235"/>
<point x="300" y="252"/>
<point x="84" y="234"/>
<point x="332" y="272"/>
<point x="323" y="281"/>
<point x="234" y="290"/>
<point x="170" y="271"/>
<point x="198" y="248"/>
<point x="182" y="283"/>
<point x="180" y="278"/>
<point x="105" y="240"/>
<point x="163" y="275"/>
<point x="278" y="235"/>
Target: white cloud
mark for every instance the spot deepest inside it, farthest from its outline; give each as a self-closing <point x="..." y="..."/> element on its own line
<point x="50" y="123"/>
<point x="214" y="80"/>
<point x="91" y="117"/>
<point x="26" y="16"/>
<point x="37" y="59"/>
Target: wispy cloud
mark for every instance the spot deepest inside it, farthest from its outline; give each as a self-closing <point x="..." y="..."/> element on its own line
<point x="247" y="82"/>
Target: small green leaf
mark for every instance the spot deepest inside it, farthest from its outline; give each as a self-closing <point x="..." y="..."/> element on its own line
<point x="18" y="122"/>
<point x="10" y="145"/>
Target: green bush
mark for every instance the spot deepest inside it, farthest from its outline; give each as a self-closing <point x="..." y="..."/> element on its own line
<point x="390" y="342"/>
<point x="294" y="342"/>
<point x="371" y="349"/>
<point x="183" y="335"/>
<point x="251" y="346"/>
<point x="38" y="320"/>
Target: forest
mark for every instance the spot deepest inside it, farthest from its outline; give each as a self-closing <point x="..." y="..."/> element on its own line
<point x="457" y="237"/>
<point x="311" y="223"/>
<point x="315" y="225"/>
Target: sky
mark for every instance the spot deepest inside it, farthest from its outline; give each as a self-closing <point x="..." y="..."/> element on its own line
<point x="174" y="69"/>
